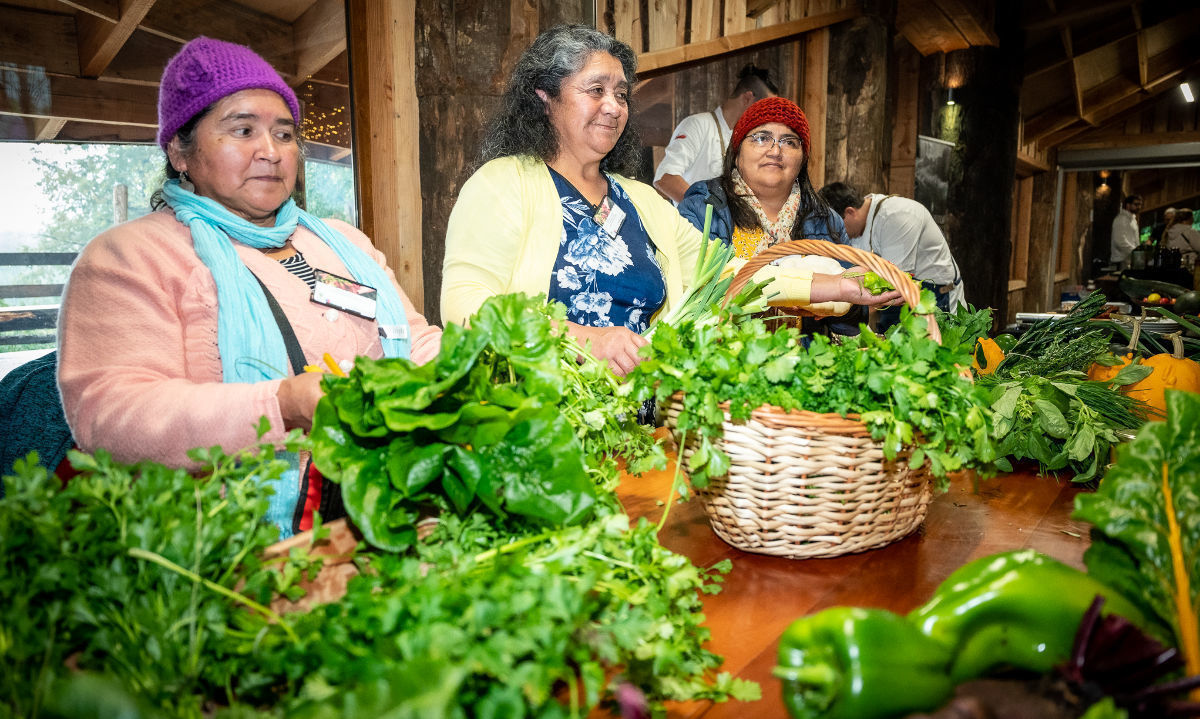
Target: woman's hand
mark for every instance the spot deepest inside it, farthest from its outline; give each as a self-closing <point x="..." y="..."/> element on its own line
<point x="616" y="345"/>
<point x="298" y="398"/>
<point x="836" y="288"/>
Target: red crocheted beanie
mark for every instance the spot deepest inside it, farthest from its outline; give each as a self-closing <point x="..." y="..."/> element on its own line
<point x="772" y="109"/>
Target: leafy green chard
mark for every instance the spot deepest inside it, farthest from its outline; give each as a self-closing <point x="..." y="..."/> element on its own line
<point x="477" y="428"/>
<point x="964" y="326"/>
<point x="906" y="387"/>
<point x="1146" y="538"/>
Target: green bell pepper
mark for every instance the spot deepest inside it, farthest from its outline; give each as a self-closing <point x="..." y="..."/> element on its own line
<point x="1005" y="342"/>
<point x="1017" y="609"/>
<point x="851" y="663"/>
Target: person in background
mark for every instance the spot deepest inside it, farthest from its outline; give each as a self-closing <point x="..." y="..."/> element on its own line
<point x="1159" y="232"/>
<point x="902" y="232"/>
<point x="1183" y="238"/>
<point x="764" y="196"/>
<point x="185" y="327"/>
<point x="699" y="143"/>
<point x="1125" y="235"/>
<point x="549" y="212"/>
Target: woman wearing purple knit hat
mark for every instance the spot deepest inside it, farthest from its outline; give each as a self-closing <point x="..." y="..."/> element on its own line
<point x="183" y="328"/>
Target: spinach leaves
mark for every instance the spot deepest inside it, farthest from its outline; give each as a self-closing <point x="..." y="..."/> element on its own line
<point x="476" y="429"/>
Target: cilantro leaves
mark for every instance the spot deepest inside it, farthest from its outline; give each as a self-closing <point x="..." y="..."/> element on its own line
<point x="907" y="388"/>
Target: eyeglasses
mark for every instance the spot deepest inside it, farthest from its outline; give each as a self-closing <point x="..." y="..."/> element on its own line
<point x="764" y="141"/>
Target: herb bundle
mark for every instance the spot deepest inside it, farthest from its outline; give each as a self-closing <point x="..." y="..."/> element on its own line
<point x="708" y="284"/>
<point x="906" y="387"/>
<point x="131" y="571"/>
<point x="138" y="592"/>
<point x="1047" y="410"/>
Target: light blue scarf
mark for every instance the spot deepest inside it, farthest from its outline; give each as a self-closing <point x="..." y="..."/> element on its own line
<point x="250" y="350"/>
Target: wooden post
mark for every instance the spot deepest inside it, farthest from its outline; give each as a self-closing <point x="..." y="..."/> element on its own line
<point x="386" y="134"/>
<point x="120" y="204"/>
<point x="983" y="167"/>
<point x="815" y="99"/>
<point x="902" y="173"/>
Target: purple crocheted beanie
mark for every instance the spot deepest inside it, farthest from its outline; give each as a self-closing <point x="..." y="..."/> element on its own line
<point x="206" y="70"/>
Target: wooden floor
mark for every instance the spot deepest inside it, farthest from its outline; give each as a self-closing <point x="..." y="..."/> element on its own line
<point x="762" y="595"/>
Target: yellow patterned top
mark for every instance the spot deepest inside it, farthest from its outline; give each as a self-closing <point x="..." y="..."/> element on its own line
<point x="748" y="243"/>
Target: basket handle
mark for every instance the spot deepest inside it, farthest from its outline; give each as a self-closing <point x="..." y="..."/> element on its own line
<point x="909" y="290"/>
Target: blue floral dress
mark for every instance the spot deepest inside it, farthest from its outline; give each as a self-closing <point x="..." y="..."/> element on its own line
<point x="606" y="278"/>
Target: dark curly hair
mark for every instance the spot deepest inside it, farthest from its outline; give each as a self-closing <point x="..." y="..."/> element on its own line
<point x="743" y="216"/>
<point x="522" y="127"/>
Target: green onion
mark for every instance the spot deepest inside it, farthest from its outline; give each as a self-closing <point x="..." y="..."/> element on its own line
<point x="707" y="287"/>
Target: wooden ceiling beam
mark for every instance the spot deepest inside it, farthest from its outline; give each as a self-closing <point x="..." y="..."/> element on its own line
<point x="967" y="19"/>
<point x="102" y="132"/>
<point x="1098" y="139"/>
<point x="1120" y="93"/>
<point x="1048" y="122"/>
<point x="319" y="36"/>
<point x="101" y="40"/>
<point x="1059" y="19"/>
<point x="1077" y="88"/>
<point x="659" y="62"/>
<point x="1143" y="60"/>
<point x="108" y="10"/>
<point x="29" y="40"/>
<point x="182" y="20"/>
<point x="68" y="98"/>
<point x="1056" y="139"/>
<point x="756" y="8"/>
<point x="48" y="128"/>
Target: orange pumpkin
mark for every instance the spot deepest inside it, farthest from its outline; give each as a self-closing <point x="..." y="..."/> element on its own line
<point x="1171" y="371"/>
<point x="1105" y="373"/>
<point x="991" y="354"/>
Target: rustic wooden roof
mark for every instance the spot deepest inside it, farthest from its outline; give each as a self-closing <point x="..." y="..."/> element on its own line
<point x="1097" y="73"/>
<point x="88" y="70"/>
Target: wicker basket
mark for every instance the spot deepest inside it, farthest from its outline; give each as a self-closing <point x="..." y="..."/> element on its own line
<point x="803" y="484"/>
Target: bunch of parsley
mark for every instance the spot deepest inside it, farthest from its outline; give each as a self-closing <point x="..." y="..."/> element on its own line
<point x="478" y="623"/>
<point x="907" y="388"/>
<point x="131" y="571"/>
<point x="138" y="592"/>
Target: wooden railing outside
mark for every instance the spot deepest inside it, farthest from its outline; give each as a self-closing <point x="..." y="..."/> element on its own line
<point x="30" y="324"/>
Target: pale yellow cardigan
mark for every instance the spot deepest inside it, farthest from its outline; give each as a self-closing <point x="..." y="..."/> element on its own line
<point x="505" y="227"/>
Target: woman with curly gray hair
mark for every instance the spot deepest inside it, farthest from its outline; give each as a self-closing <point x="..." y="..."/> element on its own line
<point x="550" y="212"/>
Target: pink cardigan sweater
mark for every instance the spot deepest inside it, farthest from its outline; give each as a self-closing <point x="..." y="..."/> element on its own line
<point x="139" y="370"/>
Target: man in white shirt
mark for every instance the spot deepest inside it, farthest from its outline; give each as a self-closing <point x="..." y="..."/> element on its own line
<point x="1125" y="235"/>
<point x="902" y="232"/>
<point x="697" y="148"/>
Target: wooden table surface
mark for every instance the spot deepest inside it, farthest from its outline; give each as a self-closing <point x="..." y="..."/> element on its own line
<point x="762" y="594"/>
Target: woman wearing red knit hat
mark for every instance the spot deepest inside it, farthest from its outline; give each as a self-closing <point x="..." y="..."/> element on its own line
<point x="764" y="196"/>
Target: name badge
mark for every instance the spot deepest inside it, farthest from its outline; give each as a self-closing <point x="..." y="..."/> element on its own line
<point x="616" y="216"/>
<point x="343" y="294"/>
<point x="393" y="332"/>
